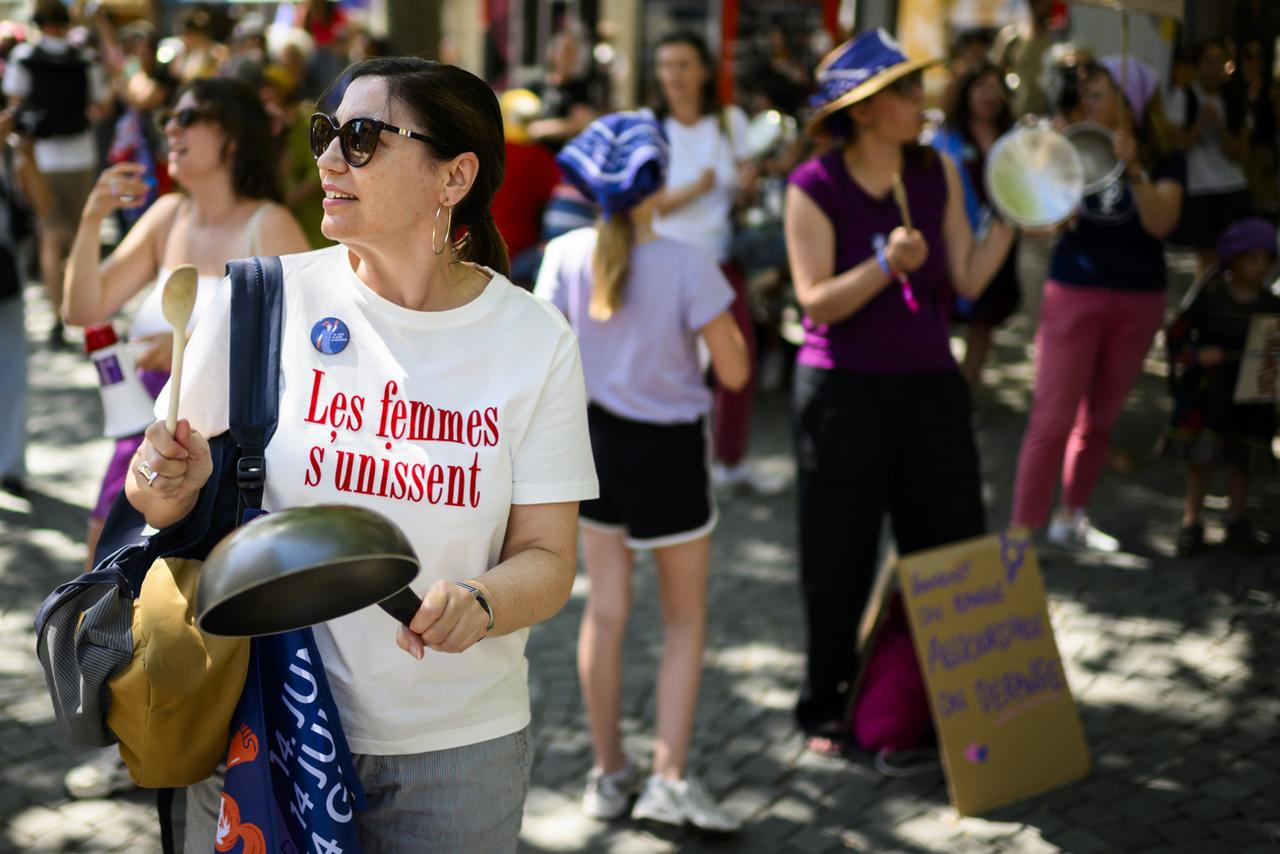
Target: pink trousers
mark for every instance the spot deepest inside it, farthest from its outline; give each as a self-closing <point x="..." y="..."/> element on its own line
<point x="1090" y="345"/>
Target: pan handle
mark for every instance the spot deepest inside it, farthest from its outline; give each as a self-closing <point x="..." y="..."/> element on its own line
<point x="402" y="605"/>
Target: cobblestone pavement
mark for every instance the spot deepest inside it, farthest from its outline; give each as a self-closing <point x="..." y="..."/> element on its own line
<point x="1175" y="666"/>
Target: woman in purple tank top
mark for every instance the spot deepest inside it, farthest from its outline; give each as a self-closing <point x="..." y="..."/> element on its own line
<point x="881" y="411"/>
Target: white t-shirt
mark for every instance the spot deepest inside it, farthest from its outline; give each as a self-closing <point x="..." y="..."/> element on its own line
<point x="707" y="220"/>
<point x="61" y="154"/>
<point x="1209" y="169"/>
<point x="439" y="421"/>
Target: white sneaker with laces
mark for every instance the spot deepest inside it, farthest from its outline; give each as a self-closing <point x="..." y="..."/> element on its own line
<point x="676" y="802"/>
<point x="765" y="484"/>
<point x="1072" y="529"/>
<point x="101" y="777"/>
<point x="607" y="796"/>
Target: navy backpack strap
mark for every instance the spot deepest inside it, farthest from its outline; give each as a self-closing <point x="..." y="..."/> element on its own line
<point x="257" y="298"/>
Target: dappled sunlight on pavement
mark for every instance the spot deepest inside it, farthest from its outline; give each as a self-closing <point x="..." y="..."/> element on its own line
<point x="1174" y="664"/>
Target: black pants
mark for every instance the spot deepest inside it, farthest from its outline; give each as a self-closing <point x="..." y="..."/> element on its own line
<point x="866" y="445"/>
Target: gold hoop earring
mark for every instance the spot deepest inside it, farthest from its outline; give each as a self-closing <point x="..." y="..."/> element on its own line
<point x="448" y="230"/>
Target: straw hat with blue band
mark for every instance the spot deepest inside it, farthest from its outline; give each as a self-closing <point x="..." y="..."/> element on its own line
<point x="856" y="70"/>
<point x="618" y="161"/>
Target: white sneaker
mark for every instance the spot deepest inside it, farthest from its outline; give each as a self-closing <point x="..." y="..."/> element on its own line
<point x="679" y="801"/>
<point x="101" y="777"/>
<point x="743" y="474"/>
<point x="607" y="796"/>
<point x="1072" y="529"/>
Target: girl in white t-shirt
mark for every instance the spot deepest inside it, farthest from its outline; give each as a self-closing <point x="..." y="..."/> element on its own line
<point x="709" y="167"/>
<point x="466" y="393"/>
<point x="640" y="303"/>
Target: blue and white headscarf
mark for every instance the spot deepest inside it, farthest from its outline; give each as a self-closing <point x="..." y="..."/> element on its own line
<point x="619" y="160"/>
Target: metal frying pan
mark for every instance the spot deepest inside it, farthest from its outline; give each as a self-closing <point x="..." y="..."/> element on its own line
<point x="1096" y="147"/>
<point x="304" y="566"/>
<point x="1034" y="177"/>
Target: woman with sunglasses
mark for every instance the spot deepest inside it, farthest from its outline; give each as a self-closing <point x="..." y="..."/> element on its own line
<point x="407" y="348"/>
<point x="881" y="411"/>
<point x="227" y="209"/>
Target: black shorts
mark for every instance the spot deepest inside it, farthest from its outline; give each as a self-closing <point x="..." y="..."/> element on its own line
<point x="654" y="487"/>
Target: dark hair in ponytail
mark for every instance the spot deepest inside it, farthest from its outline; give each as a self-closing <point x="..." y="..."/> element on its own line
<point x="461" y="112"/>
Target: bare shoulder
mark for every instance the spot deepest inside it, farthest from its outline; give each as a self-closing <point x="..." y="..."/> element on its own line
<point x="167" y="206"/>
<point x="275" y="213"/>
<point x="160" y="218"/>
<point x="279" y="231"/>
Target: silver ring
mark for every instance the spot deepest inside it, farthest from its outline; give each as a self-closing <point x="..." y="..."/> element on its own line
<point x="144" y="469"/>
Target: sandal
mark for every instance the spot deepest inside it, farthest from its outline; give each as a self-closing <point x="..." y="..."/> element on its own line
<point x="830" y="740"/>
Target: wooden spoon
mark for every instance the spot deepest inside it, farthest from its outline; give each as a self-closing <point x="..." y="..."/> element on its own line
<point x="177" y="302"/>
<point x="900" y="196"/>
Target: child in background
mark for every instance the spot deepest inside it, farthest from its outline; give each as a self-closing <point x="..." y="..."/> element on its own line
<point x="1206" y="342"/>
<point x="639" y="304"/>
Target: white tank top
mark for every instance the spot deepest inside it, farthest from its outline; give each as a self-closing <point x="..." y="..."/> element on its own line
<point x="149" y="318"/>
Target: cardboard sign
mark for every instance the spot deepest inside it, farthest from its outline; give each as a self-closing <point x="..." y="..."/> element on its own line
<point x="1175" y="9"/>
<point x="1006" y="721"/>
<point x="1260" y="362"/>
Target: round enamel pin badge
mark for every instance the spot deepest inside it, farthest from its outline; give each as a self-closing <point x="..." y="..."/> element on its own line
<point x="330" y="336"/>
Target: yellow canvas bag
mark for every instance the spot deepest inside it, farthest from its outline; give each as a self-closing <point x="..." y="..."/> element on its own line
<point x="171" y="705"/>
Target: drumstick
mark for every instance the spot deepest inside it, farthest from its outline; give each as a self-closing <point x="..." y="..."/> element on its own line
<point x="900" y="196"/>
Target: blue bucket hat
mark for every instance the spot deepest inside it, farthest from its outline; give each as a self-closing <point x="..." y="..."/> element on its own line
<point x="858" y="69"/>
<point x="619" y="160"/>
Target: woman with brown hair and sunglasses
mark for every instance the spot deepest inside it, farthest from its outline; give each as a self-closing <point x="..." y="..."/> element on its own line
<point x="881" y="412"/>
<point x="228" y="208"/>
<point x="416" y="381"/>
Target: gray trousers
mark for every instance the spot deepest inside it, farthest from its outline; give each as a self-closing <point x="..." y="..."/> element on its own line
<point x="13" y="389"/>
<point x="467" y="799"/>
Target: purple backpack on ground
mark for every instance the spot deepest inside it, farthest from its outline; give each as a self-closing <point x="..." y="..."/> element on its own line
<point x="892" y="709"/>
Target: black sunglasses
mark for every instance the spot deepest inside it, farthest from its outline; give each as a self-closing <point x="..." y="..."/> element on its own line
<point x="358" y="138"/>
<point x="185" y="117"/>
<point x="905" y="87"/>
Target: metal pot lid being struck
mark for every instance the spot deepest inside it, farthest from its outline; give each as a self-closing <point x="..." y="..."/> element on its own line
<point x="1034" y="177"/>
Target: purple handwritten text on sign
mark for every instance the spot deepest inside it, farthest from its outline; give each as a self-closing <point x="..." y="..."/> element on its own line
<point x="969" y="647"/>
<point x="1013" y="551"/>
